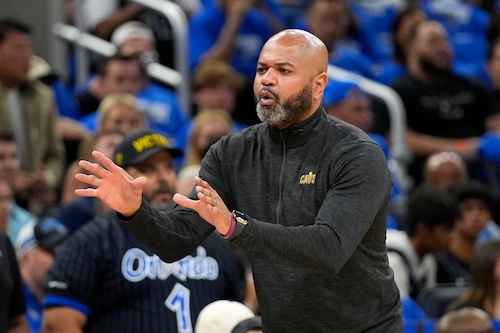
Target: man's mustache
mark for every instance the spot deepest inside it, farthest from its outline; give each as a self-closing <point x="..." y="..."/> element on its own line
<point x="162" y="188"/>
<point x="269" y="91"/>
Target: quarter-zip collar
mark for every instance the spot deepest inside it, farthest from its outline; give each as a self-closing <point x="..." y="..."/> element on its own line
<point x="297" y="134"/>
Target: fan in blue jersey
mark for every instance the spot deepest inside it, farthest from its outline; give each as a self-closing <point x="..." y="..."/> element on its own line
<point x="105" y="280"/>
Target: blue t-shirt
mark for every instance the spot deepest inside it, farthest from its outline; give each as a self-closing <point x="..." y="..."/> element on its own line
<point x="390" y="71"/>
<point x="164" y="113"/>
<point x="352" y="60"/>
<point x="206" y="26"/>
<point x="375" y="21"/>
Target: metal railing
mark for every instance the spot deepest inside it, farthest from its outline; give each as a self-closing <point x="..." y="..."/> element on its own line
<point x="400" y="153"/>
<point x="179" y="24"/>
<point x="177" y="77"/>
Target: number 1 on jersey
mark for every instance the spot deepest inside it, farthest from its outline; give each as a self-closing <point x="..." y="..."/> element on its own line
<point x="178" y="301"/>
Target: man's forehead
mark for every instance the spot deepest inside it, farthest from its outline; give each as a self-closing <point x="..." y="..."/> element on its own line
<point x="160" y="157"/>
<point x="431" y="29"/>
<point x="280" y="54"/>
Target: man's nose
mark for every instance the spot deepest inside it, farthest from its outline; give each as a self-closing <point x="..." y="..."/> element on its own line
<point x="269" y="78"/>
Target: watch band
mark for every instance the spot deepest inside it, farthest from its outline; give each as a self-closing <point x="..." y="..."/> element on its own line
<point x="238" y="223"/>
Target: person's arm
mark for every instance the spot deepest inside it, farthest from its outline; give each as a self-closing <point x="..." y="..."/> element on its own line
<point x="362" y="186"/>
<point x="18" y="324"/>
<point x="105" y="27"/>
<point x="63" y="319"/>
<point x="106" y="22"/>
<point x="423" y="144"/>
<point x="271" y="19"/>
<point x="173" y="237"/>
<point x="71" y="129"/>
<point x="223" y="47"/>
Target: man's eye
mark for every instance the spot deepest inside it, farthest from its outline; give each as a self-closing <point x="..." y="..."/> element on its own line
<point x="284" y="71"/>
<point x="261" y="70"/>
<point x="147" y="170"/>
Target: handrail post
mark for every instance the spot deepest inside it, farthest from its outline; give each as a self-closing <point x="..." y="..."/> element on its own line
<point x="178" y="21"/>
<point x="400" y="153"/>
<point x="107" y="49"/>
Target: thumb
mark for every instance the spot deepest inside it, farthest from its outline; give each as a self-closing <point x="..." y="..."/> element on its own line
<point x="184" y="201"/>
<point x="138" y="184"/>
<point x="140" y="181"/>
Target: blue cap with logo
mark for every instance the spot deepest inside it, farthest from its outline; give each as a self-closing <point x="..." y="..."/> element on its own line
<point x="48" y="234"/>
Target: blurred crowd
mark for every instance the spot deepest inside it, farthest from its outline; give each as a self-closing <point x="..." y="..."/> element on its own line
<point x="440" y="57"/>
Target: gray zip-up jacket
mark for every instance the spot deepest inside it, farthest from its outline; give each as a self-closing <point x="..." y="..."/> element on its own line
<point x="316" y="198"/>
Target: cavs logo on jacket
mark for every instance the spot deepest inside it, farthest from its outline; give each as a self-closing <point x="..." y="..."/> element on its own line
<point x="307" y="179"/>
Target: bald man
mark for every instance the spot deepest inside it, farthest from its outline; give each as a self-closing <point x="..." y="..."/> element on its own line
<point x="303" y="194"/>
<point x="466" y="320"/>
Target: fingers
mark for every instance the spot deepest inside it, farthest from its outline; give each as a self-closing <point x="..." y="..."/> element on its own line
<point x="184" y="201"/>
<point x="202" y="183"/>
<point x="104" y="167"/>
<point x="88" y="179"/>
<point x="86" y="192"/>
<point x="209" y="201"/>
<point x="109" y="165"/>
<point x="205" y="188"/>
<point x="105" y="161"/>
<point x="210" y="205"/>
<point x="93" y="168"/>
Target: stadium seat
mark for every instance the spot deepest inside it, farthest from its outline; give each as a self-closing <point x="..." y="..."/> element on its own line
<point x="434" y="301"/>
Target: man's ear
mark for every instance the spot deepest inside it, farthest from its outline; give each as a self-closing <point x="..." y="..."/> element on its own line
<point x="319" y="84"/>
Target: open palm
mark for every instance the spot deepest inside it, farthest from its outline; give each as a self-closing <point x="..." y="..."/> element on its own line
<point x="111" y="184"/>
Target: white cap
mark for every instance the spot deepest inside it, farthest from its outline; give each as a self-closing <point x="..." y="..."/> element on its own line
<point x="132" y="29"/>
<point x="39" y="68"/>
<point x="222" y="316"/>
<point x="26" y="240"/>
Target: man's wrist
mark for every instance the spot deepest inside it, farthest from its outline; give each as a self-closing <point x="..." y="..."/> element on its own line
<point x="232" y="226"/>
<point x="238" y="223"/>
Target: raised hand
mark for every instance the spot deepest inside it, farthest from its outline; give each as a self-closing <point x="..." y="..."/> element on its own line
<point x="111" y="184"/>
<point x="210" y="206"/>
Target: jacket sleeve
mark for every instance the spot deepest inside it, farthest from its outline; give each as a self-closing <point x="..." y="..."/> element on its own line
<point x="171" y="234"/>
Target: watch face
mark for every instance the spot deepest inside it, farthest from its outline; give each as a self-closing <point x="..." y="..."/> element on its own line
<point x="241" y="220"/>
<point x="240" y="217"/>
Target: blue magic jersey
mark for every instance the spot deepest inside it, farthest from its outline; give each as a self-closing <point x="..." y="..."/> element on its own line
<point x="121" y="286"/>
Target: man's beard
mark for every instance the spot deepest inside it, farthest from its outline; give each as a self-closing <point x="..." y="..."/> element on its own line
<point x="432" y="70"/>
<point x="287" y="112"/>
